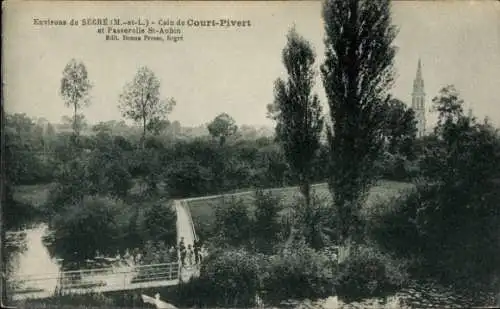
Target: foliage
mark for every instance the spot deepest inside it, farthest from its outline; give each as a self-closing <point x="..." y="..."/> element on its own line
<point x="297" y="111"/>
<point x="400" y="128"/>
<point x="457" y="199"/>
<point x="77" y="232"/>
<point x="222" y="127"/>
<point x="108" y="169"/>
<point x="229" y="278"/>
<point x="141" y="102"/>
<point x="22" y="148"/>
<point x="391" y="224"/>
<point x="75" y="88"/>
<point x="266" y="224"/>
<point x="72" y="183"/>
<point x="367" y="272"/>
<point x="356" y="76"/>
<point x="187" y="178"/>
<point x="157" y="253"/>
<point x="77" y="121"/>
<point x="461" y="201"/>
<point x="160" y="224"/>
<point x="397" y="167"/>
<point x="314" y="221"/>
<point x="297" y="273"/>
<point x="233" y="222"/>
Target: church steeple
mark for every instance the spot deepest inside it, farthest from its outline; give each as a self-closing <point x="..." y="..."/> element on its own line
<point x="418" y="82"/>
<point x="418" y="100"/>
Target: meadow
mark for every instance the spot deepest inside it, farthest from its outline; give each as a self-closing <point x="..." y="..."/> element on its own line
<point x="203" y="209"/>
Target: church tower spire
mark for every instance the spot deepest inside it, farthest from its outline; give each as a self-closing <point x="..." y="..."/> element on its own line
<point x="418" y="100"/>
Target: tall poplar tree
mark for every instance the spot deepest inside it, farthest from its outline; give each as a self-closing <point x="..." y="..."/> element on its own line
<point x="75" y="88"/>
<point x="141" y="102"/>
<point x="357" y="74"/>
<point x="297" y="111"/>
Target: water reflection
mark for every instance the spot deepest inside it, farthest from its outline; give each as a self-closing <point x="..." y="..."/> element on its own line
<point x="32" y="263"/>
<point x="35" y="261"/>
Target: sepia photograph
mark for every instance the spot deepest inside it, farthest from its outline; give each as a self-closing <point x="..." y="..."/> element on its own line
<point x="333" y="154"/>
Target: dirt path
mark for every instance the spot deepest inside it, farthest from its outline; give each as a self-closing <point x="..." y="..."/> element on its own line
<point x="184" y="225"/>
<point x="185" y="229"/>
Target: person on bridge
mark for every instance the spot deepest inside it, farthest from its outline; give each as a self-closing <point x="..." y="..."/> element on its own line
<point x="182" y="250"/>
<point x="190" y="255"/>
<point x="196" y="247"/>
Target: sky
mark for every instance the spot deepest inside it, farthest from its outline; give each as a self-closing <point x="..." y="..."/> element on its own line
<point x="233" y="70"/>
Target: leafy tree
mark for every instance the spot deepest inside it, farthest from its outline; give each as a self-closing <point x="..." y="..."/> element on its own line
<point x="275" y="166"/>
<point x="149" y="168"/>
<point x="102" y="127"/>
<point x="400" y="130"/>
<point x="77" y="121"/>
<point x="298" y="112"/>
<point x="234" y="223"/>
<point x="456" y="201"/>
<point x="356" y="75"/>
<point x="141" y="102"/>
<point x="134" y="236"/>
<point x="108" y="168"/>
<point x="75" y="88"/>
<point x="21" y="124"/>
<point x="72" y="181"/>
<point x="157" y="126"/>
<point x="18" y="142"/>
<point x="266" y="225"/>
<point x="85" y="228"/>
<point x="160" y="224"/>
<point x="222" y="127"/>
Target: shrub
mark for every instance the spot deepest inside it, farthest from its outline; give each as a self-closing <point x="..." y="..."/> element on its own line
<point x="227" y="278"/>
<point x="297" y="273"/>
<point x="234" y="222"/>
<point x="367" y="272"/>
<point x="391" y="224"/>
<point x="315" y="221"/>
<point x="266" y="225"/>
<point x="78" y="232"/>
<point x="160" y="223"/>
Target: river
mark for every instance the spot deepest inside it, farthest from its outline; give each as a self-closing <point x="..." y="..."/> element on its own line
<point x="35" y="262"/>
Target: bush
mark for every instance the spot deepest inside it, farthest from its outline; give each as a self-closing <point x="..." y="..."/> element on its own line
<point x="229" y="278"/>
<point x="159" y="224"/>
<point x="266" y="225"/>
<point x="78" y="231"/>
<point x="392" y="225"/>
<point x="315" y="222"/>
<point x="366" y="273"/>
<point x="298" y="273"/>
<point x="234" y="223"/>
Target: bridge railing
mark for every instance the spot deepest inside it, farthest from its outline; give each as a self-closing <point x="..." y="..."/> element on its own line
<point x="105" y="279"/>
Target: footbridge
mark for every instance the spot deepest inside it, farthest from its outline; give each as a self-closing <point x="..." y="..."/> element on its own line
<point x="116" y="278"/>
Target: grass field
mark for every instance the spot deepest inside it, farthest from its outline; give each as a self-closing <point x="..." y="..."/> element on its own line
<point x="203" y="209"/>
<point x="37" y="195"/>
